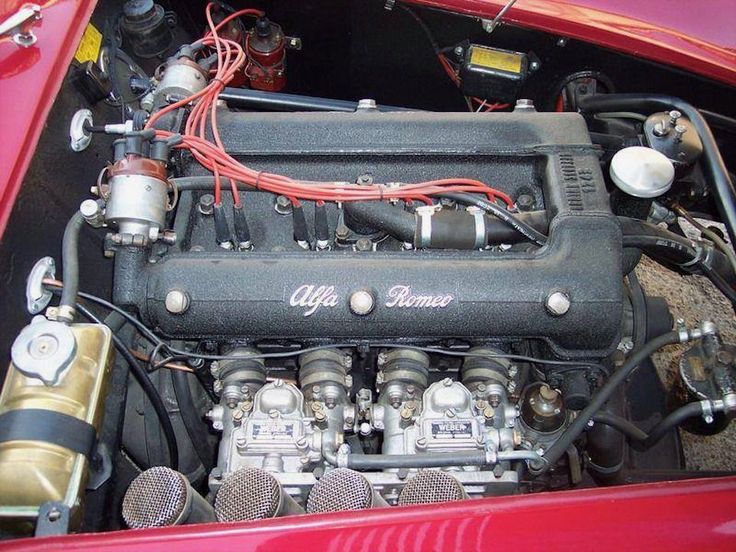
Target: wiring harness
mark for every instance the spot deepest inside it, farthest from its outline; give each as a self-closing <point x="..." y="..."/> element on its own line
<point x="211" y="154"/>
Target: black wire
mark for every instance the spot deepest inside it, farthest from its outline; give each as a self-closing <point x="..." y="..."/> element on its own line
<point x="422" y="25"/>
<point x="523" y="228"/>
<point x="148" y="388"/>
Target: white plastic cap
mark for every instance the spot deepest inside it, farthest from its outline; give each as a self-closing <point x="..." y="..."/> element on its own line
<point x="642" y="172"/>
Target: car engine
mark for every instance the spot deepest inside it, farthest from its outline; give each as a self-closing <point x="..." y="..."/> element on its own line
<point x="328" y="305"/>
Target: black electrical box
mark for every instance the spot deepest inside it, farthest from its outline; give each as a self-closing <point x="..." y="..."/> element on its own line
<point x="493" y="74"/>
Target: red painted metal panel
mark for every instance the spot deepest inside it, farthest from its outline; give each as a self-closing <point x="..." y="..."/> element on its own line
<point x="30" y="78"/>
<point x="685" y="515"/>
<point x="698" y="37"/>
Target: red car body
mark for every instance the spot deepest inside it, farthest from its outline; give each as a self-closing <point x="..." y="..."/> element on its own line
<point x="672" y="516"/>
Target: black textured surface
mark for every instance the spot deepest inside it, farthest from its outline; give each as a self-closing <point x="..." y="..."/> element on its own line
<point x="501" y="295"/>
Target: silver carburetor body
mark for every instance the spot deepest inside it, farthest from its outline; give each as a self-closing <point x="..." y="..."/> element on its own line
<point x="278" y="426"/>
<point x="284" y="429"/>
<point x="446" y="416"/>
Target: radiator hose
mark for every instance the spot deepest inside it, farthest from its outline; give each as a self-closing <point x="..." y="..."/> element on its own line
<point x="70" y="262"/>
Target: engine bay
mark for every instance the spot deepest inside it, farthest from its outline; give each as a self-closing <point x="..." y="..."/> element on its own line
<point x="300" y="301"/>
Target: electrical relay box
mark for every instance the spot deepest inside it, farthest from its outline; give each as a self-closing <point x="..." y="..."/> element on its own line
<point x="492" y="73"/>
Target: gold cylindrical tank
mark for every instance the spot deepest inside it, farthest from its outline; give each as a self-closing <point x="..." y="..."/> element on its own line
<point x="35" y="472"/>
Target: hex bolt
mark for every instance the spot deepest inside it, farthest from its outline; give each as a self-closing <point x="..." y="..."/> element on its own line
<point x="177" y="301"/>
<point x="342" y="232"/>
<point x="283" y="205"/>
<point x="459" y="51"/>
<point x="406" y="413"/>
<point x="525" y="202"/>
<point x="558" y="303"/>
<point x="421" y="442"/>
<point x="364" y="244"/>
<point x="206" y="204"/>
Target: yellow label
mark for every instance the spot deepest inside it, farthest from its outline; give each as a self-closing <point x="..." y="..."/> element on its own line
<point x="495" y="59"/>
<point x="89" y="47"/>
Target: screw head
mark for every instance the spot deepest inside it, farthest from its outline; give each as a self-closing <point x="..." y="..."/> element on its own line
<point x="283" y="205"/>
<point x="364" y="244"/>
<point x="206" y="204"/>
<point x="558" y="303"/>
<point x="177" y="301"/>
<point x="362" y="302"/>
<point x="525" y="202"/>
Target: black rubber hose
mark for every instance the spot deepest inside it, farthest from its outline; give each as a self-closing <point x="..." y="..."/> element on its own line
<point x="521" y="227"/>
<point x="385" y="217"/>
<point x="424" y="460"/>
<point x="555" y="452"/>
<point x="148" y="388"/>
<point x="639" y="308"/>
<point x="675" y="248"/>
<point x="402" y="225"/>
<point x="606" y="447"/>
<point x="70" y="261"/>
<point x="641" y="440"/>
<point x="715" y="169"/>
<point x="196" y="428"/>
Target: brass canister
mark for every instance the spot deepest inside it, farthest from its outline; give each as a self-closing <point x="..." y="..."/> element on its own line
<point x="34" y="472"/>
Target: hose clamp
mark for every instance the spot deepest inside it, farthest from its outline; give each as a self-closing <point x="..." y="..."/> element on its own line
<point x="480" y="226"/>
<point x="424" y="218"/>
<point x="702" y="254"/>
<point x="707" y="408"/>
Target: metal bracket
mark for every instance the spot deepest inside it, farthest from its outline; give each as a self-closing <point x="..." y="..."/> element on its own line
<point x="37" y="296"/>
<point x="53" y="519"/>
<point x="19" y="26"/>
<point x="79" y="135"/>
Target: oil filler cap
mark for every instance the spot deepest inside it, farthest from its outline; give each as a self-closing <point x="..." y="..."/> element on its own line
<point x="43" y="349"/>
<point x="642" y="172"/>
